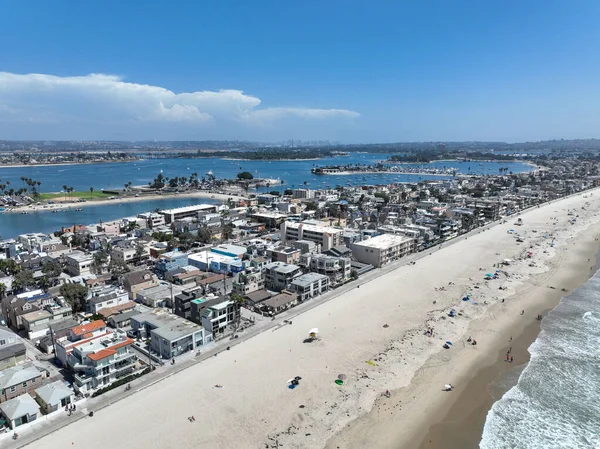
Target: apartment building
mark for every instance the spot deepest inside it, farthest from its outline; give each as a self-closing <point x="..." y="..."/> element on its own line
<point x="279" y="275"/>
<point x="152" y="219"/>
<point x="170" y="261"/>
<point x="79" y="263"/>
<point x="309" y="285"/>
<point x="286" y="254"/>
<point x="188" y="211"/>
<point x="326" y="236"/>
<point x="337" y="269"/>
<point x="248" y="281"/>
<point x="218" y="317"/>
<point x="383" y="249"/>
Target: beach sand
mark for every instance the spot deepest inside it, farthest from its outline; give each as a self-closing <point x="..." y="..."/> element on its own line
<point x="256" y="409"/>
<point x="59" y="203"/>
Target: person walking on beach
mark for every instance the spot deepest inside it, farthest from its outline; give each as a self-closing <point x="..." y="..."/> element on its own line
<point x="511" y="359"/>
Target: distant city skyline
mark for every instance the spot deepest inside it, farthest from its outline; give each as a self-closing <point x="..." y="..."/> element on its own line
<point x="266" y="71"/>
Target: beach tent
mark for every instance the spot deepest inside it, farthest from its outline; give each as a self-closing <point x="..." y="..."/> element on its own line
<point x="449" y="343"/>
<point x="314" y="332"/>
<point x="339" y="382"/>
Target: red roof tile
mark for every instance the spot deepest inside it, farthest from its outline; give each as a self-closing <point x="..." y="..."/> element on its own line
<point x="89" y="327"/>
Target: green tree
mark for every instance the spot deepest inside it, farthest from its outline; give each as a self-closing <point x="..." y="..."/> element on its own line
<point x="227" y="232"/>
<point x="353" y="275"/>
<point x="44" y="283"/>
<point x="91" y="192"/>
<point x="117" y="268"/>
<point x="75" y="295"/>
<point x="2" y="289"/>
<point x="100" y="259"/>
<point x="311" y="206"/>
<point x="52" y="268"/>
<point x="245" y="175"/>
<point x="9" y="266"/>
<point x="23" y="279"/>
<point x="204" y="235"/>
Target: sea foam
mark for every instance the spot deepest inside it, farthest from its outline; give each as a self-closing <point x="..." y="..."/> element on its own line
<point x="556" y="402"/>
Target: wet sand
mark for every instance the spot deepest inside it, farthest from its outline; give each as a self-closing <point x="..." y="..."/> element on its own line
<point x="462" y="425"/>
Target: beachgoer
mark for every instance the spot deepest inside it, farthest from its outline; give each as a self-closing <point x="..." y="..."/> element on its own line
<point x="522" y="312"/>
<point x="511" y="359"/>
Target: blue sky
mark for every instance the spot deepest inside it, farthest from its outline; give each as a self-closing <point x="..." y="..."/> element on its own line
<point x="353" y="71"/>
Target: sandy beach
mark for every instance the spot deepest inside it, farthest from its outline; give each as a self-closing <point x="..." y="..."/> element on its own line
<point x="255" y="408"/>
<point x="59" y="203"/>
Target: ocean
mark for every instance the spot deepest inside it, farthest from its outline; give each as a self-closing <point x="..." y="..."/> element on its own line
<point x="556" y="401"/>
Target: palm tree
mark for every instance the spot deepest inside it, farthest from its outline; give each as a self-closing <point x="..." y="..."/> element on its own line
<point x="65" y="189"/>
<point x="91" y="192"/>
<point x="2" y="289"/>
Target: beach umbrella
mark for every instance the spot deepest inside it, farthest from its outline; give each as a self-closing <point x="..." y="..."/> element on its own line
<point x="290" y="381"/>
<point x="297" y="378"/>
<point x="507" y="260"/>
<point x="341" y="376"/>
<point x="489" y="274"/>
<point x="339" y="382"/>
<point x="448" y="386"/>
<point x="448" y="342"/>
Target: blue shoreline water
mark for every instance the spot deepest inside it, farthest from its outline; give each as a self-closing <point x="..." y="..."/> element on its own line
<point x="115" y="175"/>
<point x="556" y="400"/>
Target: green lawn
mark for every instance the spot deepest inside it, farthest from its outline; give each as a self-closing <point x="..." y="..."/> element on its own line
<point x="76" y="195"/>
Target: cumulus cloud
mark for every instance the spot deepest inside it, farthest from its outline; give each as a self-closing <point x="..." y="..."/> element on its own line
<point x="106" y="100"/>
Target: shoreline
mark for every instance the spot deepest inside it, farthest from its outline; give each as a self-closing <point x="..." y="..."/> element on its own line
<point x="462" y="426"/>
<point x="76" y="205"/>
<point x="441" y="420"/>
<point x="378" y="350"/>
<point x="66" y="163"/>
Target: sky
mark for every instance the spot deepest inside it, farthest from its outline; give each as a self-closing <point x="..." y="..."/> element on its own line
<point x="338" y="70"/>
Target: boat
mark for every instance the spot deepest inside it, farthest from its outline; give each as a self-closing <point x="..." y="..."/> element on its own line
<point x="78" y="209"/>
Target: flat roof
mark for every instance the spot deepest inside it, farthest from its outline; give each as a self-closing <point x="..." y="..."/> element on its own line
<point x="308" y="278"/>
<point x="314" y="227"/>
<point x="180" y="210"/>
<point x="282" y="267"/>
<point x="383" y="241"/>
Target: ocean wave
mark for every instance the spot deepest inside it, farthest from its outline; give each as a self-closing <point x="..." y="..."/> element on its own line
<point x="556" y="402"/>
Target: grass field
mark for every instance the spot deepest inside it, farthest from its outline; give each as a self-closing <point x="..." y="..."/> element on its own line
<point x="75" y="195"/>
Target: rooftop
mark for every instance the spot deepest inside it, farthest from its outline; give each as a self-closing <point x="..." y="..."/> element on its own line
<point x="54" y="392"/>
<point x="18" y="374"/>
<point x="19" y="406"/>
<point x="181" y="210"/>
<point x="89" y="327"/>
<point x="306" y="279"/>
<point x="383" y="241"/>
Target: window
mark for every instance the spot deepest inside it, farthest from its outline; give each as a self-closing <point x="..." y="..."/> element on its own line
<point x="2" y="342"/>
<point x="13" y="389"/>
<point x="33" y="380"/>
<point x="24" y="384"/>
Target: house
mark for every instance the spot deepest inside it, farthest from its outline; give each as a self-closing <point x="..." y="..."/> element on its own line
<point x="55" y="332"/>
<point x="124" y="254"/>
<point x="253" y="299"/>
<point x="279" y="275"/>
<point x="12" y="349"/>
<point x="169" y="334"/>
<point x="383" y="249"/>
<point x="183" y="276"/>
<point x="19" y="411"/>
<point x="122" y="320"/>
<point x="37" y="323"/>
<point x="227" y="314"/>
<point x="14" y="307"/>
<point x="138" y="280"/>
<point x="248" y="281"/>
<point x="279" y="303"/>
<point x="216" y="283"/>
<point x="106" y="296"/>
<point x="78" y="263"/>
<point x="187" y="211"/>
<point x="310" y="285"/>
<point x="96" y="357"/>
<point x="159" y="296"/>
<point x="152" y="219"/>
<point x="54" y="396"/>
<point x="336" y="268"/>
<point x="169" y="261"/>
<point x="19" y="380"/>
<point x="230" y="250"/>
<point x="285" y="254"/>
<point x="215" y="262"/>
<point x="218" y="317"/>
<point x="110" y="311"/>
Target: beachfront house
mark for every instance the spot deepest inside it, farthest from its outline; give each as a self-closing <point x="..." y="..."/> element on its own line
<point x="19" y="411"/>
<point x="54" y="396"/>
<point x="279" y="275"/>
<point x="310" y="285"/>
<point x="170" y="335"/>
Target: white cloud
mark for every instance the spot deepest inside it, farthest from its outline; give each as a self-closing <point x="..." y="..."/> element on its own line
<point x="107" y="102"/>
